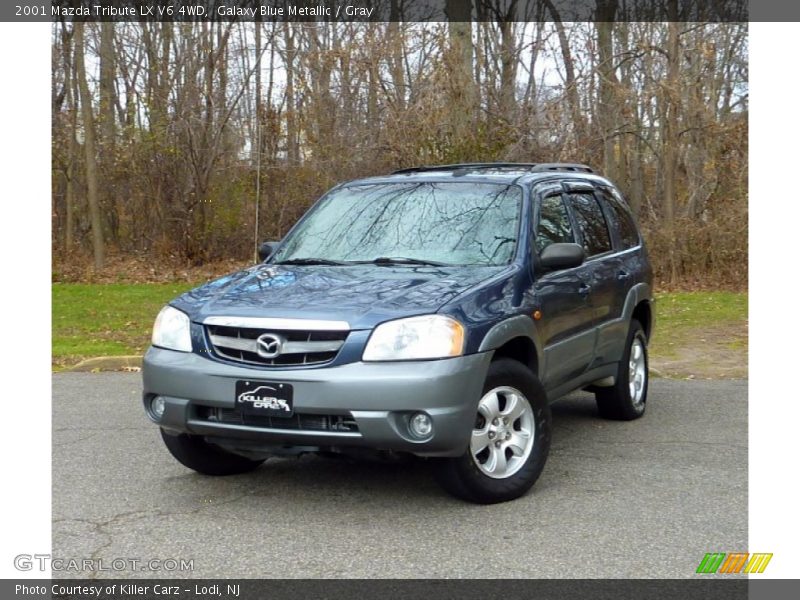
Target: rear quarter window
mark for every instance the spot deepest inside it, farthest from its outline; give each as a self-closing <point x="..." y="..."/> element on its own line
<point x="592" y="223"/>
<point x="622" y="219"/>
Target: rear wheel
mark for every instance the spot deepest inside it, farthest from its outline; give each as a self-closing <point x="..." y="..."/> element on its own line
<point x="194" y="452"/>
<point x="509" y="442"/>
<point x="626" y="399"/>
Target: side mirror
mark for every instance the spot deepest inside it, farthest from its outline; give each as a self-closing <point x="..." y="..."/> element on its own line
<point x="266" y="250"/>
<point x="562" y="256"/>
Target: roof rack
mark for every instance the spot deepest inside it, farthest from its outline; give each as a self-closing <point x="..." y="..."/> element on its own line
<point x="574" y="167"/>
<point x="532" y="167"/>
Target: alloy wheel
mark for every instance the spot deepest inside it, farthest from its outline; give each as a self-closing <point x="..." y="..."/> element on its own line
<point x="637" y="372"/>
<point x="504" y="432"/>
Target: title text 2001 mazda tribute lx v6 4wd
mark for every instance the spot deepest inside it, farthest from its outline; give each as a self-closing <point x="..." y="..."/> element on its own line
<point x="435" y="311"/>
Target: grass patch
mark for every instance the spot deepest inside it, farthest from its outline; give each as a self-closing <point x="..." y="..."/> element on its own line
<point x="683" y="317"/>
<point x="697" y="333"/>
<point x="106" y="320"/>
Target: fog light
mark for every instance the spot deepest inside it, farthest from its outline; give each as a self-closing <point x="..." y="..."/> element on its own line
<point x="420" y="425"/>
<point x="157" y="406"/>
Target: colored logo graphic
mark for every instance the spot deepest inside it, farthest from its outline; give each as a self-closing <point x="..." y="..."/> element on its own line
<point x="736" y="562"/>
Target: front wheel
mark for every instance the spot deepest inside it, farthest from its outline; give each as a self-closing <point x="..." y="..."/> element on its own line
<point x="510" y="439"/>
<point x="194" y="452"/>
<point x="626" y="399"/>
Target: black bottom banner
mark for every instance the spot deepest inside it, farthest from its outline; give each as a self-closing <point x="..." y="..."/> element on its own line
<point x="382" y="589"/>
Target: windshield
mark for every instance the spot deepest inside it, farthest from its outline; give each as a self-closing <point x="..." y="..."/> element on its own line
<point x="450" y="223"/>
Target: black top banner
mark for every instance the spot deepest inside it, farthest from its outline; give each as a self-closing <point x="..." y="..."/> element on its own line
<point x="399" y="10"/>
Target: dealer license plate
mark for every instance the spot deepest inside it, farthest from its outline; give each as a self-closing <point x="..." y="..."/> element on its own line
<point x="264" y="398"/>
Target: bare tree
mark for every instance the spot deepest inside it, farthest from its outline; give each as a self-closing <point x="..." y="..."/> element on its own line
<point x="191" y="133"/>
<point x="90" y="148"/>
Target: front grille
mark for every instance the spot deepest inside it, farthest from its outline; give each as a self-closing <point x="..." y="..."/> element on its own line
<point x="297" y="347"/>
<point x="299" y="421"/>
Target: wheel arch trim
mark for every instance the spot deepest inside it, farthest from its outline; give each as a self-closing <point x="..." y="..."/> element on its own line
<point x="641" y="292"/>
<point x="509" y="329"/>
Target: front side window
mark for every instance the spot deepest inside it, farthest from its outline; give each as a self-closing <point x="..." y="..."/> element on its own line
<point x="554" y="225"/>
<point x="452" y="223"/>
<point x="592" y="223"/>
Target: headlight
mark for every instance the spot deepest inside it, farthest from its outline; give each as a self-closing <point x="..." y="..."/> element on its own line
<point x="172" y="330"/>
<point x="415" y="338"/>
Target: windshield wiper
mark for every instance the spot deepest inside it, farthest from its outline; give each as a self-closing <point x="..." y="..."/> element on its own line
<point x="310" y="261"/>
<point x="381" y="260"/>
<point x="402" y="260"/>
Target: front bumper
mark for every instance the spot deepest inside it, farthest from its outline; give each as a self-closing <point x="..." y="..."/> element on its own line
<point x="378" y="397"/>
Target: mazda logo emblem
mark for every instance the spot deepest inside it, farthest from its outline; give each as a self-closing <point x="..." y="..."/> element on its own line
<point x="268" y="345"/>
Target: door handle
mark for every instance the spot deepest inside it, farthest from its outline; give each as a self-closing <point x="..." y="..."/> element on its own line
<point x="623" y="275"/>
<point x="584" y="289"/>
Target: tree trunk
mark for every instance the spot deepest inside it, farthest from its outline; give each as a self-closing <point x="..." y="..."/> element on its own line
<point x="292" y="150"/>
<point x="107" y="93"/>
<point x="71" y="96"/>
<point x="607" y="107"/>
<point x="257" y="141"/>
<point x="320" y="68"/>
<point x="671" y="97"/>
<point x="460" y="51"/>
<point x="90" y="149"/>
<point x="570" y="83"/>
<point x="508" y="71"/>
<point x="69" y="194"/>
<point x="397" y="48"/>
<point x="106" y="121"/>
<point x="373" y="82"/>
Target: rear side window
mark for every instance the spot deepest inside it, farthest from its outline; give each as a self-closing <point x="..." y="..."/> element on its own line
<point x="628" y="234"/>
<point x="554" y="224"/>
<point x="592" y="223"/>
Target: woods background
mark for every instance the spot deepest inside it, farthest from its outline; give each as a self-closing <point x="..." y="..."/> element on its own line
<point x="180" y="145"/>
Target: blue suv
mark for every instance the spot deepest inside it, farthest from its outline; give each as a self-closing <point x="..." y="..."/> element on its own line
<point x="435" y="312"/>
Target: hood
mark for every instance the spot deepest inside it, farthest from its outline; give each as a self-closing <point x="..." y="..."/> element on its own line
<point x="362" y="295"/>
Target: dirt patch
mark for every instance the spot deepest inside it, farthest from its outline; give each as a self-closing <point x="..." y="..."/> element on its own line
<point x="119" y="268"/>
<point x="130" y="364"/>
<point x="715" y="352"/>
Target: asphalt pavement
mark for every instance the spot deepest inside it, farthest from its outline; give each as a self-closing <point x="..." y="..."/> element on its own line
<point x="646" y="498"/>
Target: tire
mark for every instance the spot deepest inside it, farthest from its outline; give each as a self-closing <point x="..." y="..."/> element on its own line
<point x="626" y="401"/>
<point x="478" y="475"/>
<point x="194" y="452"/>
